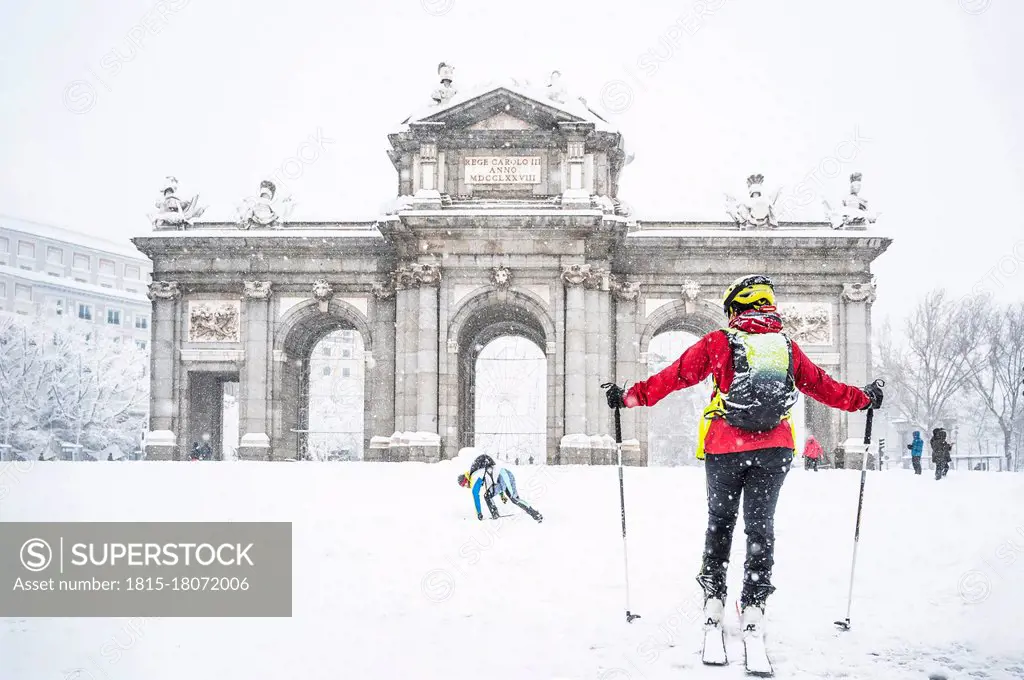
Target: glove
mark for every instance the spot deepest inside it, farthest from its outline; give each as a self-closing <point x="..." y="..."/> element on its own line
<point x="874" y="393"/>
<point x="480" y="516"/>
<point x="615" y="395"/>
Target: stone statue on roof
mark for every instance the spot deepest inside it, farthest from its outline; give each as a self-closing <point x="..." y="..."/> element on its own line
<point x="758" y="211"/>
<point x="854" y="213"/>
<point x="557" y="91"/>
<point x="172" y="211"/>
<point x="443" y="94"/>
<point x="264" y="210"/>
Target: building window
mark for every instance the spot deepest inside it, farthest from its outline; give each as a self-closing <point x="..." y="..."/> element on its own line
<point x="114" y="317"/>
<point x="5" y="244"/>
<point x="85" y="312"/>
<point x="142" y="322"/>
<point x="26" y="267"/>
<point x="22" y="293"/>
<point x="58" y="307"/>
<point x="81" y="280"/>
<point x="346" y="372"/>
<point x="131" y="271"/>
<point x="81" y="262"/>
<point x="57" y="274"/>
<point x="3" y="290"/>
<point x="107" y="268"/>
<point x="26" y="249"/>
<point x="54" y="255"/>
<point x="131" y="290"/>
<point x="141" y="344"/>
<point x="327" y="370"/>
<point x="105" y="285"/>
<point x="346" y="353"/>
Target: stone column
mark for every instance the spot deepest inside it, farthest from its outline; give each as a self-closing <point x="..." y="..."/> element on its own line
<point x="254" y="382"/>
<point x="428" y="277"/>
<point x="380" y="384"/>
<point x="573" y="277"/>
<point x="856" y="352"/>
<point x="592" y="335"/>
<point x="161" y="441"/>
<point x="627" y="351"/>
<point x="407" y="302"/>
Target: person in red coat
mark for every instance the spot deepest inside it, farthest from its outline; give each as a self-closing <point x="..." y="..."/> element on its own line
<point x="746" y="435"/>
<point x="812" y="453"/>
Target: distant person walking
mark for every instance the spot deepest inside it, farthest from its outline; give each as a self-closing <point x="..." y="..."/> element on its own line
<point x="916" y="449"/>
<point x="940" y="452"/>
<point x="812" y="454"/>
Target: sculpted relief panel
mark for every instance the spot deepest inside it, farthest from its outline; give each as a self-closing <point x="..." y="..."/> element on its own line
<point x="809" y="323"/>
<point x="213" y="320"/>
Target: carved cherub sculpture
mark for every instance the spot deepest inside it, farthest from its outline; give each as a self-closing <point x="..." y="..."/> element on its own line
<point x="265" y="210"/>
<point x="758" y="211"/>
<point x="173" y="211"/>
<point x="854" y="210"/>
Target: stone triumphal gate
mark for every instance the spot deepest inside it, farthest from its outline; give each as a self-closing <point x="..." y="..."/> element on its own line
<point x="507" y="223"/>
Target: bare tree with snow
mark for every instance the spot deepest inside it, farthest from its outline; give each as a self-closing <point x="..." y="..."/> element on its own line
<point x="931" y="368"/>
<point x="997" y="364"/>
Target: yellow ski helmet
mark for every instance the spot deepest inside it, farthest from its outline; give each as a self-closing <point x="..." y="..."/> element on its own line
<point x="746" y="292"/>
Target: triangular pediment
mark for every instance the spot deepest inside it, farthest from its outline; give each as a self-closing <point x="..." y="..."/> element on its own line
<point x="502" y="121"/>
<point x="507" y="107"/>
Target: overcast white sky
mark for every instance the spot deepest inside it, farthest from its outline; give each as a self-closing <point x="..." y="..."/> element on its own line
<point x="221" y="93"/>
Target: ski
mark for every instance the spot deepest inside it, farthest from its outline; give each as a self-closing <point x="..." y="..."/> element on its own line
<point x="755" y="657"/>
<point x="713" y="652"/>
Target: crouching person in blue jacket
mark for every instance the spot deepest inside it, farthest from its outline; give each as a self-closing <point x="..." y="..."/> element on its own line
<point x="487" y="477"/>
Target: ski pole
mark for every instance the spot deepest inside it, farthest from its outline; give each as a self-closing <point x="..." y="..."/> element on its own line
<point x="622" y="505"/>
<point x="845" y="624"/>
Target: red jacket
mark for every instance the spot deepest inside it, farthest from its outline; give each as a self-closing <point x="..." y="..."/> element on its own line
<point x="812" y="449"/>
<point x="711" y="356"/>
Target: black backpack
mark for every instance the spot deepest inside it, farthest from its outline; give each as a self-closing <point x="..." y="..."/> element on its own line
<point x="763" y="387"/>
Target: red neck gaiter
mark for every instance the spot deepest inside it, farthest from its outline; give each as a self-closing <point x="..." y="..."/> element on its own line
<point x="763" y="320"/>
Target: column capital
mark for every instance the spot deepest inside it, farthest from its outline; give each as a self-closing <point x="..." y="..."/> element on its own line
<point x="415" y="275"/>
<point x="164" y="290"/>
<point x="597" y="279"/>
<point x="624" y="290"/>
<point x="575" y="274"/>
<point x="384" y="291"/>
<point x="256" y="290"/>
<point x="427" y="274"/>
<point x="859" y="292"/>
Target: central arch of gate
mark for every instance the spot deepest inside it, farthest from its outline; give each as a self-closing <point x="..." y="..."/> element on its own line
<point x="507" y="222"/>
<point x="483" y="317"/>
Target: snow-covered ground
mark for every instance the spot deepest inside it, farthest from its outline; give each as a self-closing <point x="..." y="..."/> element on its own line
<point x="395" y="578"/>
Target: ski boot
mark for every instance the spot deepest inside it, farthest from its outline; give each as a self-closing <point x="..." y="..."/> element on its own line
<point x="713" y="610"/>
<point x="752" y="618"/>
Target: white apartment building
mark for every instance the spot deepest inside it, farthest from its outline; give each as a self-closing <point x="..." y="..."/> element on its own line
<point x="50" y="271"/>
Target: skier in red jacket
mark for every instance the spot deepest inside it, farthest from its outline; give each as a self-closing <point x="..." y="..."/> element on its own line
<point x="746" y="434"/>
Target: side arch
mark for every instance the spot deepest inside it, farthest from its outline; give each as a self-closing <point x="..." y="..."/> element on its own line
<point x="295" y="336"/>
<point x="675" y="317"/>
<point x="304" y="325"/>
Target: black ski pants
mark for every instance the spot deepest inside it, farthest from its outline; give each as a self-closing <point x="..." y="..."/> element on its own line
<point x="916" y="460"/>
<point x="941" y="469"/>
<point x="757" y="477"/>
